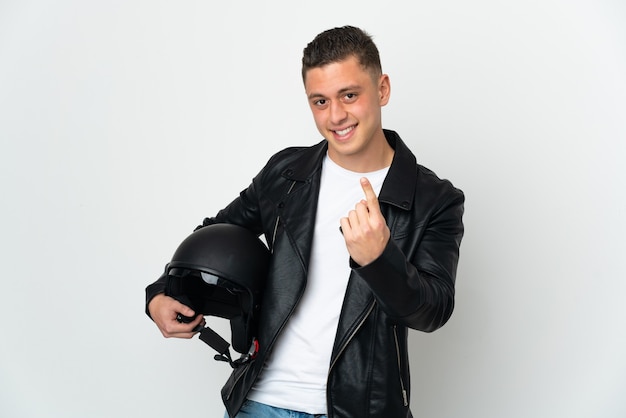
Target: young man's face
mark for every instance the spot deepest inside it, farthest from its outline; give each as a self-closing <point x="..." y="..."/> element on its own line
<point x="346" y="103"/>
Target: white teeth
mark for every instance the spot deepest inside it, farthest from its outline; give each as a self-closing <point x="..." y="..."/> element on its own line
<point x="344" y="131"/>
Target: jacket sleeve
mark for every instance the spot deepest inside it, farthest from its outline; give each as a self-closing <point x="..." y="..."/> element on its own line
<point x="155" y="288"/>
<point x="417" y="289"/>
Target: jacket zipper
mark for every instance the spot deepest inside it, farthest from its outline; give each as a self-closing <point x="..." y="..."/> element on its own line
<point x="359" y="325"/>
<point x="342" y="349"/>
<point x="274" y="233"/>
<point x="278" y="218"/>
<point x="404" y="395"/>
<point x="232" y="387"/>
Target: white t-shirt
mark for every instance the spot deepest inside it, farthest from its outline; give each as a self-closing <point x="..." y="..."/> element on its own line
<point x="296" y="373"/>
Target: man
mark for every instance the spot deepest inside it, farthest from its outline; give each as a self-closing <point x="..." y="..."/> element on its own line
<point x="350" y="271"/>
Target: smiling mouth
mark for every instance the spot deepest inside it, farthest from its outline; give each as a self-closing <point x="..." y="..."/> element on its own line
<point x="345" y="131"/>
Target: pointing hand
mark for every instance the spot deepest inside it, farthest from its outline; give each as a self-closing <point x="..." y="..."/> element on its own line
<point x="364" y="229"/>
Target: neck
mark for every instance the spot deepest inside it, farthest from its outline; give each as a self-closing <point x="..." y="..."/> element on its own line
<point x="378" y="155"/>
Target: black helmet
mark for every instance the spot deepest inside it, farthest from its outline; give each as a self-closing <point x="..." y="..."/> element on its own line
<point x="220" y="270"/>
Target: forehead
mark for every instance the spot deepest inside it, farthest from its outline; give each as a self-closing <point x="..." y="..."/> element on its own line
<point x="335" y="77"/>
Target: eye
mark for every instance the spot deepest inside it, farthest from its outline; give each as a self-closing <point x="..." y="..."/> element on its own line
<point x="320" y="102"/>
<point x="349" y="97"/>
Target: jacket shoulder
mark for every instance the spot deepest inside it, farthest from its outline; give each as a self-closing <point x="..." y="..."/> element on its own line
<point x="287" y="155"/>
<point x="441" y="187"/>
<point x="296" y="162"/>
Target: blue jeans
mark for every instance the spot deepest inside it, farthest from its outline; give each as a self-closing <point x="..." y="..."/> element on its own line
<point x="251" y="409"/>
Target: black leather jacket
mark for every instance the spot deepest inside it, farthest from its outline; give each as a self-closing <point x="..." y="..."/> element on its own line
<point x="411" y="285"/>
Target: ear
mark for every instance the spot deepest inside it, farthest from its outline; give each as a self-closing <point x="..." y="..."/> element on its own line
<point x="384" y="89"/>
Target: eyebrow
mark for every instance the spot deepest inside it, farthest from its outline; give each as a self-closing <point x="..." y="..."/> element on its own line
<point x="315" y="96"/>
<point x="341" y="92"/>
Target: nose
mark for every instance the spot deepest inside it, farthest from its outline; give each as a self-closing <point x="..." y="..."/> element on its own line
<point x="338" y="113"/>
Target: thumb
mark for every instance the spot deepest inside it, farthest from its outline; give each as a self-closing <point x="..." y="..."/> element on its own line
<point x="183" y="309"/>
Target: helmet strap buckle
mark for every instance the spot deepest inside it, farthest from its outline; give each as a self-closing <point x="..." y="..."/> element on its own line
<point x="220" y="345"/>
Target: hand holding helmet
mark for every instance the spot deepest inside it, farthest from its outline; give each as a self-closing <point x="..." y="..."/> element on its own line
<point x="219" y="270"/>
<point x="164" y="311"/>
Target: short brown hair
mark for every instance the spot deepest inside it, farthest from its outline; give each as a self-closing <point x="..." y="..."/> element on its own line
<point x="338" y="44"/>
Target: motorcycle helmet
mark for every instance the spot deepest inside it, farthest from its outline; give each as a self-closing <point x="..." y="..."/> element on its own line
<point x="220" y="270"/>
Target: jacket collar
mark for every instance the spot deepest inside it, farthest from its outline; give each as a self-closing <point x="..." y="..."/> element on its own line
<point x="399" y="185"/>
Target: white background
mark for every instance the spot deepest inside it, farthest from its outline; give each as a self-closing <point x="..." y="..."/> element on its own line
<point x="124" y="123"/>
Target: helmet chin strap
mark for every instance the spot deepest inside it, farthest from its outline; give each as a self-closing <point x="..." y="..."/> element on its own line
<point x="220" y="345"/>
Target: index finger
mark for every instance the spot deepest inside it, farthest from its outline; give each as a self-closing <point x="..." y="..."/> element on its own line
<point x="370" y="195"/>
